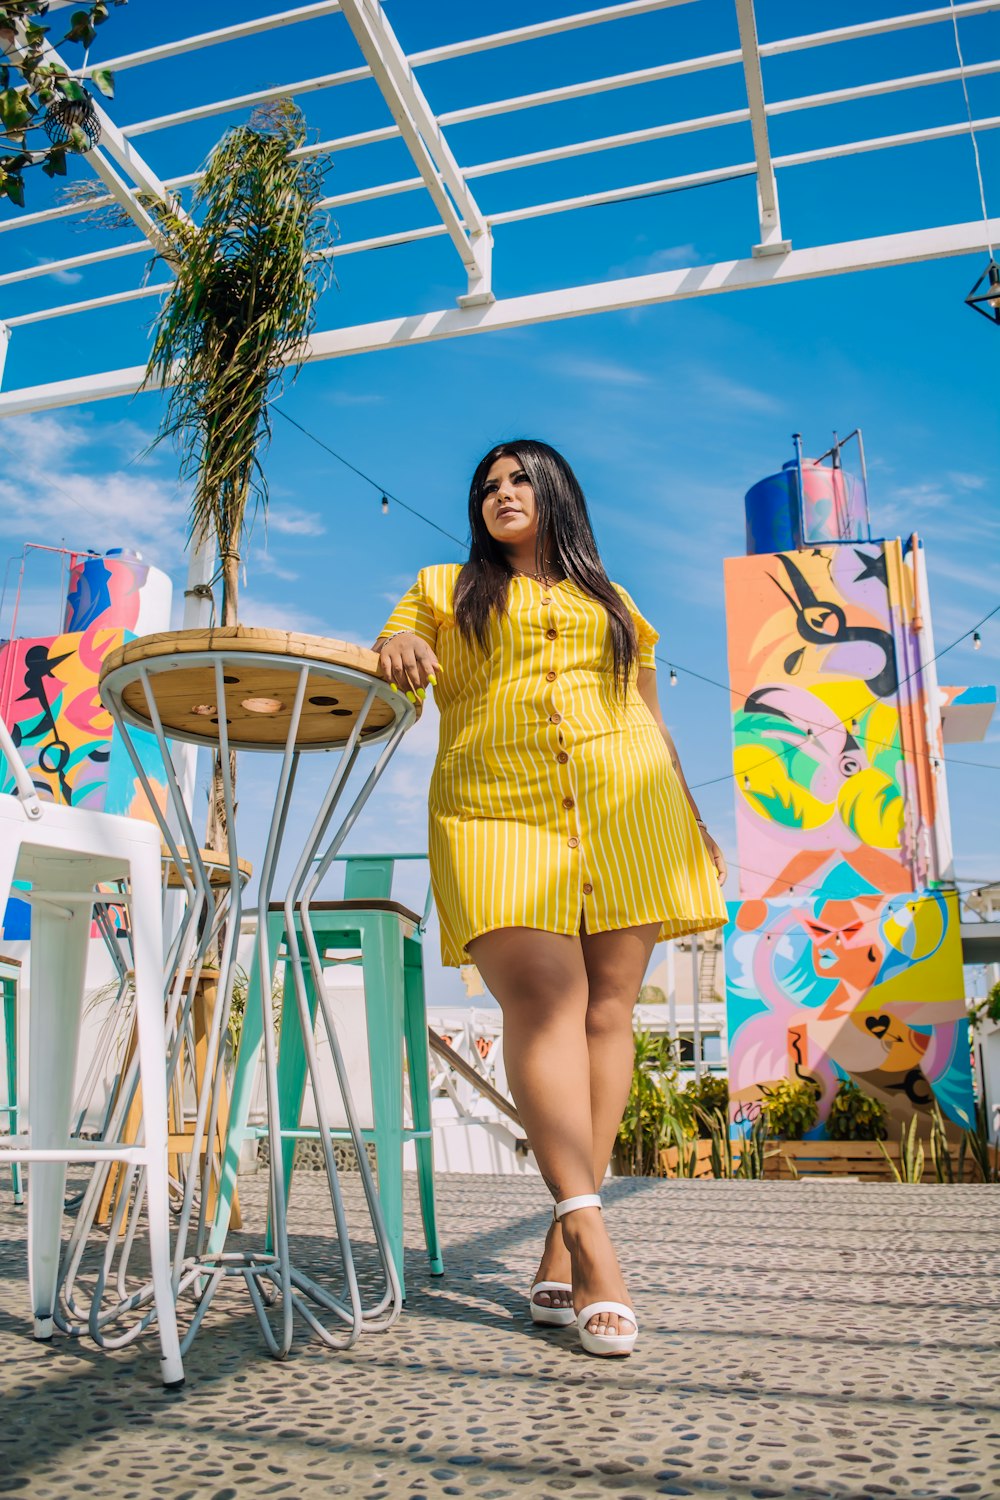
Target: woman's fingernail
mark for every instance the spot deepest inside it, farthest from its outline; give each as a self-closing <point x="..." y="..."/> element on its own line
<point x="394" y="688"/>
<point x="433" y="681"/>
<point x="411" y="698"/>
<point x="421" y="693"/>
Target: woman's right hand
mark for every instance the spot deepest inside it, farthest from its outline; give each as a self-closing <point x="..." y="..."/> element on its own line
<point x="408" y="663"/>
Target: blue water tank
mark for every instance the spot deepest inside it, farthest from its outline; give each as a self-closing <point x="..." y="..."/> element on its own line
<point x="772" y="511"/>
<point x="833" y="508"/>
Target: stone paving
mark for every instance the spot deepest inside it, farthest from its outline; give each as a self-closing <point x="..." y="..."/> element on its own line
<point x="811" y="1339"/>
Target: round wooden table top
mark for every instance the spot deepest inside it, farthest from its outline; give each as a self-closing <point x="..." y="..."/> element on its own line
<point x="216" y="867"/>
<point x="259" y="696"/>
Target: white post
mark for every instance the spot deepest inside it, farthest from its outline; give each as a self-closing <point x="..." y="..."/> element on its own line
<point x="695" y="1011"/>
<point x="671" y="992"/>
<point x="197" y="615"/>
<point x="4" y="342"/>
<point x="771" y="241"/>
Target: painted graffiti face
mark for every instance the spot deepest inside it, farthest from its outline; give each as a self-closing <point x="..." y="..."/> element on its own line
<point x="847" y="948"/>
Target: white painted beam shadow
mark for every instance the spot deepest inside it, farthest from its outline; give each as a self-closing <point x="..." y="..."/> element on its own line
<point x="569" y="302"/>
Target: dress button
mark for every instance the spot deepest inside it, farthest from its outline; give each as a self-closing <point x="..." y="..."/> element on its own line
<point x="546" y="601"/>
<point x="550" y="635"/>
<point x="588" y="890"/>
<point x="573" y="842"/>
<point x="562" y="757"/>
<point x="555" y="718"/>
<point x="568" y="802"/>
<point x="550" y="677"/>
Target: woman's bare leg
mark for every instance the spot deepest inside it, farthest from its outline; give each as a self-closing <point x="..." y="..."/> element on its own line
<point x="616" y="964"/>
<point x="540" y="981"/>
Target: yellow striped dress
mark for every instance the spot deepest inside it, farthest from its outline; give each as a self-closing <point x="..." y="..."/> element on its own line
<point x="551" y="805"/>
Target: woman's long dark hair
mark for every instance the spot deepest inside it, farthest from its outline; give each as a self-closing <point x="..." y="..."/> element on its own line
<point x="565" y="537"/>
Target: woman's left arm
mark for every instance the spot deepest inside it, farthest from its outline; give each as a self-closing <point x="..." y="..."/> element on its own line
<point x="647" y="691"/>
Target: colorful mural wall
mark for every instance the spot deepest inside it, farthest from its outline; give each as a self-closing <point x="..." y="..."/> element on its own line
<point x="843" y="955"/>
<point x="49" y="698"/>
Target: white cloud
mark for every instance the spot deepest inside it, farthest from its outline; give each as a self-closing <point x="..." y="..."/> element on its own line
<point x="598" y="371"/>
<point x="355" y="398"/>
<point x="727" y="394"/>
<point x="279" y="614"/>
<point x="47" y="492"/>
<point x="65" y="278"/>
<point x="264" y="562"/>
<point x="292" y="520"/>
<point x="666" y="259"/>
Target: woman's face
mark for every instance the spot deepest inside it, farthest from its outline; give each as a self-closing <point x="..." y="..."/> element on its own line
<point x="509" y="509"/>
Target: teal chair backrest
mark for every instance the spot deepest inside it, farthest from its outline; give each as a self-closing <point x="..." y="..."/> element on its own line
<point x="368" y="877"/>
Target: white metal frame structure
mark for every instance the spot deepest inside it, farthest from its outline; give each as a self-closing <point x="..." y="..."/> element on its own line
<point x="439" y="176"/>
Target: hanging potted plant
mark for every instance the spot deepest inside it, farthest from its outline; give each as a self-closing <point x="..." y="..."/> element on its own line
<point x="249" y="266"/>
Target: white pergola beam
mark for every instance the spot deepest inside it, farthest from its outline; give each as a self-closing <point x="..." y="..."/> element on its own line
<point x="430" y="55"/>
<point x="591" y="86"/>
<point x="75" y="262"/>
<point x="569" y="302"/>
<point x="213" y="38"/>
<point x="537" y="29"/>
<point x="769" y="214"/>
<point x="130" y="161"/>
<point x="247" y="101"/>
<point x="426" y="143"/>
<point x="578" y="148"/>
<point x="647" y="189"/>
<point x="576" y="91"/>
<point x="91" y="304"/>
<point x="864" y="29"/>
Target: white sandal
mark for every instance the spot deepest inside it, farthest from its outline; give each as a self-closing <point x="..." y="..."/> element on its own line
<point x="555" y="1317"/>
<point x="599" y="1343"/>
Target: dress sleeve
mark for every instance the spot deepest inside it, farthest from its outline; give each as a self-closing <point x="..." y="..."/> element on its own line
<point x="645" y="633"/>
<point x="413" y="612"/>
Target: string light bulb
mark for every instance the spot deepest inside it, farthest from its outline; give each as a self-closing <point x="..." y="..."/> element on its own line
<point x="673" y="677"/>
<point x="385" y="505"/>
<point x="977" y="640"/>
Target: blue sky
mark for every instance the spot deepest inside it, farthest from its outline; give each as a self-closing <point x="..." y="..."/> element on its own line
<point x="668" y="414"/>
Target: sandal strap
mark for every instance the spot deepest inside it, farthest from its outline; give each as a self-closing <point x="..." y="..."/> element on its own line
<point x="582" y="1200"/>
<point x="585" y="1314"/>
<point x="550" y="1286"/>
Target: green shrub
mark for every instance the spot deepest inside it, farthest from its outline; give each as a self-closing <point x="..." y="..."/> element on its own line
<point x="988" y="1009"/>
<point x="855" y="1116"/>
<point x="657" y="1113"/>
<point x="791" y="1108"/>
<point x="706" y="1095"/>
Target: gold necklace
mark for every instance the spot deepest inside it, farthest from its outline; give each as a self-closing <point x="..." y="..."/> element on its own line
<point x="542" y="577"/>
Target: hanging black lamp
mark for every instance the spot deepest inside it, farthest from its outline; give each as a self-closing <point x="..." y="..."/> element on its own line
<point x="64" y="118"/>
<point x="987" y="302"/>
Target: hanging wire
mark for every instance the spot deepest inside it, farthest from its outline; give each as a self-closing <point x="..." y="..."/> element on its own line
<point x="674" y="667"/>
<point x="386" y="495"/>
<point x="972" y="130"/>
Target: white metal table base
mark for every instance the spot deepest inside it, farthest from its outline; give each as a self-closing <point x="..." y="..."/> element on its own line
<point x="278" y="1289"/>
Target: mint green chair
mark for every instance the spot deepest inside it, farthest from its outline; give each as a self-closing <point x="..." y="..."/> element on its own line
<point x="8" y="999"/>
<point x="390" y="937"/>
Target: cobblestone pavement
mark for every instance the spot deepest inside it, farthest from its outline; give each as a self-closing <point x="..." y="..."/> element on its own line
<point x="797" y="1339"/>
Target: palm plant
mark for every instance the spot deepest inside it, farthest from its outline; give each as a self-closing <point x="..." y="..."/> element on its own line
<point x="248" y="275"/>
<point x="656" y="1112"/>
<point x="249" y="270"/>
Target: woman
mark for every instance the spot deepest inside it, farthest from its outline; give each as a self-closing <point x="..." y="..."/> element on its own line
<point x="564" y="841"/>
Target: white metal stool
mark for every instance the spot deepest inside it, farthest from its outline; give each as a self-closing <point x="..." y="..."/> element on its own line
<point x="65" y="852"/>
